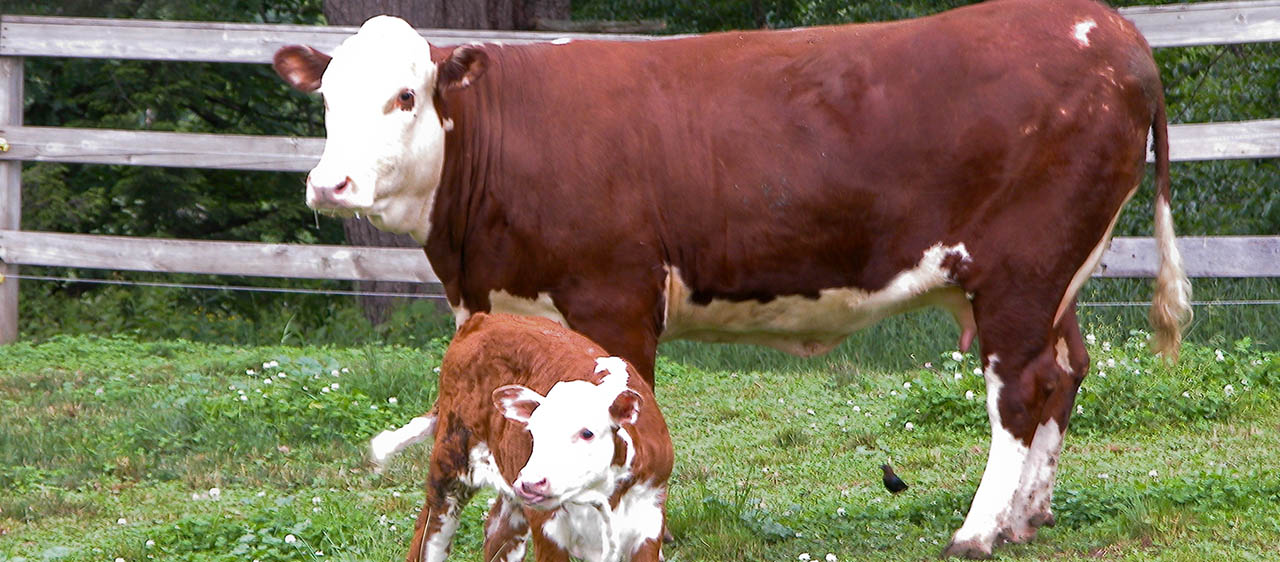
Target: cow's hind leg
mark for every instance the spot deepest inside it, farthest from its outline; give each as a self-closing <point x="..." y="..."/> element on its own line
<point x="1032" y="370"/>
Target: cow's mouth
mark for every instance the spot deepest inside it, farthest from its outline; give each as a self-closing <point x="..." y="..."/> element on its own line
<point x="537" y="501"/>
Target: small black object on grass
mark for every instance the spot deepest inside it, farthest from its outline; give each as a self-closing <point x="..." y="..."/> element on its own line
<point x="891" y="480"/>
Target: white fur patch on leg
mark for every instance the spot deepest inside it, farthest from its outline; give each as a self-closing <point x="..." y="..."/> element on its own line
<point x="991" y="510"/>
<point x="436" y="548"/>
<point x="386" y="444"/>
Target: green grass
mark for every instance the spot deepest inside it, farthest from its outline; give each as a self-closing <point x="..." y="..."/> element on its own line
<point x="110" y="447"/>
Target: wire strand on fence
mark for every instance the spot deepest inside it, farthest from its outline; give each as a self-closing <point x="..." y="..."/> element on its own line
<point x="338" y="292"/>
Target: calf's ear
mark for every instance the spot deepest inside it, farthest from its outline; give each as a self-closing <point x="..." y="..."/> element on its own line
<point x="516" y="402"/>
<point x="301" y="66"/>
<point x="465" y="65"/>
<point x="626" y="407"/>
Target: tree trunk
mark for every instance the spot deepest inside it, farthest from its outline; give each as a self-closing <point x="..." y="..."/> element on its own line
<point x="458" y="14"/>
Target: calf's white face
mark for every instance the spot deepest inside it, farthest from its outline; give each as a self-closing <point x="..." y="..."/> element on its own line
<point x="573" y="430"/>
<point x="384" y="150"/>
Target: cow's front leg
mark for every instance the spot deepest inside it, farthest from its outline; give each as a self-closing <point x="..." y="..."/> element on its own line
<point x="624" y="321"/>
<point x="505" y="532"/>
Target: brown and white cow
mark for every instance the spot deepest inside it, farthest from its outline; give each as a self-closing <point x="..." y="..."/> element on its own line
<point x="574" y="444"/>
<point x="783" y="188"/>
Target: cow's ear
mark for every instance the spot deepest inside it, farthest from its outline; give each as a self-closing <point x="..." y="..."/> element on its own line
<point x="465" y="65"/>
<point x="626" y="407"/>
<point x="301" y="66"/>
<point x="516" y="402"/>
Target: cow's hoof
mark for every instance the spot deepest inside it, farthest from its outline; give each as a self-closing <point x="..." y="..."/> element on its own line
<point x="1045" y="519"/>
<point x="1018" y="536"/>
<point x="971" y="549"/>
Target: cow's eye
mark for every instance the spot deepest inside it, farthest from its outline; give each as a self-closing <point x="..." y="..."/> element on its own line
<point x="405" y="99"/>
<point x="586" y="435"/>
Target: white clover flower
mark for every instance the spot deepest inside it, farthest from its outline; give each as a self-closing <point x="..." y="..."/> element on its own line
<point x="968" y="395"/>
<point x="928" y="364"/>
<point x="215" y="493"/>
<point x="957" y="356"/>
<point x="122" y="521"/>
<point x="857" y="408"/>
<point x="1186" y="394"/>
<point x="290" y="539"/>
<point x="811" y="412"/>
<point x="893" y="393"/>
<point x="334" y="386"/>
<point x="392" y="400"/>
<point x="781" y="401"/>
<point x="244" y="398"/>
<point x="250" y="372"/>
<point x="1104" y="475"/>
<point x="395" y="494"/>
<point x="346" y="370"/>
<point x="315" y="510"/>
<point x="909" y="426"/>
<point x="1102" y="374"/>
<point x="99" y="392"/>
<point x="281" y="375"/>
<point x="841" y="511"/>
<point x="316" y="500"/>
<point x="804" y="556"/>
<point x="1079" y="409"/>
<point x="334" y="372"/>
<point x="1106" y="346"/>
<point x="392" y="528"/>
<point x="319" y="553"/>
<point x="324" y="390"/>
<point x="831" y="557"/>
<point x="1111" y="363"/>
<point x="906" y="385"/>
<point x="977" y="371"/>
<point x="1153" y="473"/>
<point x="1217" y="354"/>
<point x="1090" y="339"/>
<point x="262" y="494"/>
<point x="848" y="402"/>
<point x="119" y="559"/>
<point x="1229" y="390"/>
<point x="957" y="376"/>
<point x="270" y="364"/>
<point x="437" y="369"/>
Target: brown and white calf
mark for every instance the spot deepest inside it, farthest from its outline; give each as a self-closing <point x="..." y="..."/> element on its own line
<point x="570" y="437"/>
<point x="781" y="188"/>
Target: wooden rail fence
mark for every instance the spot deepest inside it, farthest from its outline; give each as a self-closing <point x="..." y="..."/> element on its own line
<point x="1175" y="25"/>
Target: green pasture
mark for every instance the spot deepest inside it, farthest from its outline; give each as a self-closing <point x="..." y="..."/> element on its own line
<point x="167" y="449"/>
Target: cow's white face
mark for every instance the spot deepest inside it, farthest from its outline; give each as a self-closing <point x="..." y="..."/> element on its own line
<point x="385" y="148"/>
<point x="573" y="429"/>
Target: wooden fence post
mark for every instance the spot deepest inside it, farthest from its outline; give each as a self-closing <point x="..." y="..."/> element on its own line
<point x="10" y="193"/>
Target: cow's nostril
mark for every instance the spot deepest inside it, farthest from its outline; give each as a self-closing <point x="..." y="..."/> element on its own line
<point x="342" y="184"/>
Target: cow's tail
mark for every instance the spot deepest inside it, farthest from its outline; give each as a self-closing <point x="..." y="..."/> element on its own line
<point x="386" y="444"/>
<point x="1171" y="306"/>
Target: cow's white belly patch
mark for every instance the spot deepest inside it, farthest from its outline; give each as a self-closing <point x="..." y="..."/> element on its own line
<point x="504" y="302"/>
<point x="809" y="326"/>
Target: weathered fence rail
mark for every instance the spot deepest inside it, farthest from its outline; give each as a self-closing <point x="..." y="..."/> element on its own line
<point x="21" y="36"/>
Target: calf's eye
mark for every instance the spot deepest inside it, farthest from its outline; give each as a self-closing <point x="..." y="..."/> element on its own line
<point x="586" y="435"/>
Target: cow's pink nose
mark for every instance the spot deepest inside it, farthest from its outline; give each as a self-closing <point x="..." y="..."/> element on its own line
<point x="539" y="488"/>
<point x="329" y="191"/>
